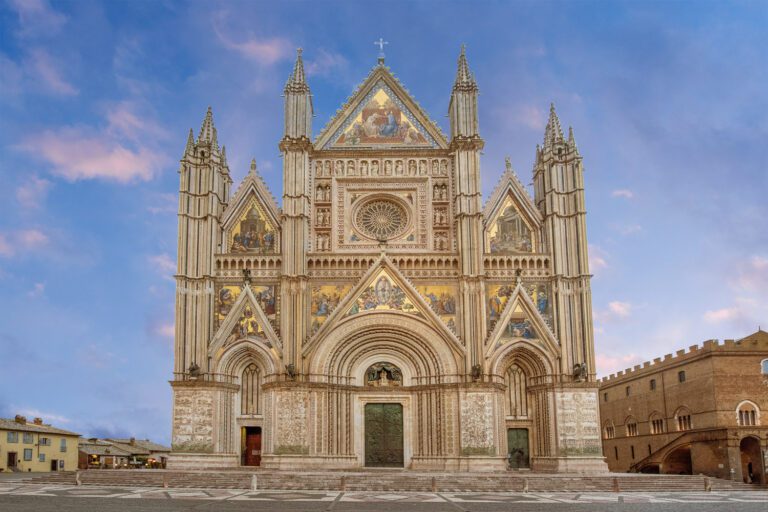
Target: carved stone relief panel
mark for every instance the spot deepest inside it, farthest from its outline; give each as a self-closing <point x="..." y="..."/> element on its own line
<point x="578" y="423"/>
<point x="291" y="409"/>
<point x="477" y="424"/>
<point x="193" y="420"/>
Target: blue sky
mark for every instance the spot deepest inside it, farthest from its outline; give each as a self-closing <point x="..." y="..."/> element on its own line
<point x="668" y="101"/>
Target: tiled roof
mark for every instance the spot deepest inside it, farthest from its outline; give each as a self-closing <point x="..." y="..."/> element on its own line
<point x="145" y="444"/>
<point x="102" y="448"/>
<point x="10" y="424"/>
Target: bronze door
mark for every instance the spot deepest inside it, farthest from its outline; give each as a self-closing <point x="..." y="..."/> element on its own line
<point x="252" y="451"/>
<point x="384" y="435"/>
<point x="518" y="455"/>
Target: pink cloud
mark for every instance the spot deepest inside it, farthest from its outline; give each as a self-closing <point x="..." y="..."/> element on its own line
<point x="166" y="330"/>
<point x="37" y="16"/>
<point x="620" y="309"/>
<point x="597" y="259"/>
<point x="47" y="72"/>
<point x="752" y="274"/>
<point x="163" y="263"/>
<point x="264" y="51"/>
<point x="37" y="290"/>
<point x="623" y="192"/>
<point x="22" y="240"/>
<point x="125" y="121"/>
<point x="532" y="116"/>
<point x="76" y="155"/>
<point x="324" y="63"/>
<point x="607" y="364"/>
<point x="716" y="316"/>
<point x="32" y="193"/>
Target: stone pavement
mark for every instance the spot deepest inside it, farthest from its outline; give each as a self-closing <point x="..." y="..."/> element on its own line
<point x="24" y="496"/>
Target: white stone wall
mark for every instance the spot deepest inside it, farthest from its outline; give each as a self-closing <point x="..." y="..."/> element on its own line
<point x="193" y="420"/>
<point x="477" y="420"/>
<point x="291" y="408"/>
<point x="578" y="423"/>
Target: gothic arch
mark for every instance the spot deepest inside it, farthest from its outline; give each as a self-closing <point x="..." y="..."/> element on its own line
<point x="235" y="358"/>
<point x="534" y="361"/>
<point x="421" y="353"/>
<point x="747" y="413"/>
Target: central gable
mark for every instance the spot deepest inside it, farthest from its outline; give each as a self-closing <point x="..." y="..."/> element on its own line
<point x="381" y="115"/>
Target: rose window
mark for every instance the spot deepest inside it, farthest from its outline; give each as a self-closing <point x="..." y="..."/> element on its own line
<point x="381" y="219"/>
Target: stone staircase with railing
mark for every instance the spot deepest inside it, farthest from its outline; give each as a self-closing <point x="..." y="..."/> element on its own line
<point x="393" y="481"/>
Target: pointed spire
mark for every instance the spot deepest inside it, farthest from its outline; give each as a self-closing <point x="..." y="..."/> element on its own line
<point x="224" y="156"/>
<point x="553" y="133"/>
<point x="572" y="141"/>
<point x="207" y="131"/>
<point x="297" y="81"/>
<point x="188" y="149"/>
<point x="464" y="77"/>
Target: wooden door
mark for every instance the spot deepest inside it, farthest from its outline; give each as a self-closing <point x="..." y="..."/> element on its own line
<point x="252" y="455"/>
<point x="517" y="445"/>
<point x="12" y="461"/>
<point x="384" y="435"/>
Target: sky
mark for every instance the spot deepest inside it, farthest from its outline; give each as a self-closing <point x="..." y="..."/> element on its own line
<point x="668" y="102"/>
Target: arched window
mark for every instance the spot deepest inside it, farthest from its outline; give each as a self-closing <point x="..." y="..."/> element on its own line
<point x="683" y="419"/>
<point x="764" y="367"/>
<point x="657" y="423"/>
<point x="517" y="392"/>
<point x="747" y="414"/>
<point x="609" y="431"/>
<point x="631" y="424"/>
<point x="250" y="390"/>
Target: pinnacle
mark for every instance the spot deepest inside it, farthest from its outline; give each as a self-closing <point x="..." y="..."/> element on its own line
<point x="253" y="166"/>
<point x="553" y="132"/>
<point x="207" y="130"/>
<point x="508" y="164"/>
<point x="572" y="141"/>
<point x="297" y="80"/>
<point x="464" y="77"/>
<point x="190" y="142"/>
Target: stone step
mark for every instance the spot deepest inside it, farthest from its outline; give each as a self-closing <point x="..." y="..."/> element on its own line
<point x="399" y="481"/>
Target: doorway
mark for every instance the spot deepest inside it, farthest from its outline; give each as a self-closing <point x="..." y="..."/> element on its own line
<point x="384" y="435"/>
<point x="518" y="454"/>
<point x="751" y="461"/>
<point x="54" y="465"/>
<point x="12" y="460"/>
<point x="251" y="446"/>
<point x="678" y="462"/>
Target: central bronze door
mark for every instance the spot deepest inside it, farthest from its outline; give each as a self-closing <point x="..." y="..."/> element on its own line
<point x="384" y="435"/>
<point x="518" y="456"/>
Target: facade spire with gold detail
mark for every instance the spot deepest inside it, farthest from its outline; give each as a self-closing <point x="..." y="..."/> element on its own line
<point x="553" y="133"/>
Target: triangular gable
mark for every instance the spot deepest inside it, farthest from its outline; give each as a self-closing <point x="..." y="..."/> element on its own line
<point x="512" y="222"/>
<point x="381" y="114"/>
<point x="442" y="299"/>
<point x="325" y="299"/>
<point x="383" y="288"/>
<point x="520" y="320"/>
<point x="252" y="206"/>
<point x="245" y="319"/>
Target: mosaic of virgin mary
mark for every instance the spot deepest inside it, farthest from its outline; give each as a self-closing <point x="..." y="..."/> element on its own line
<point x="381" y="121"/>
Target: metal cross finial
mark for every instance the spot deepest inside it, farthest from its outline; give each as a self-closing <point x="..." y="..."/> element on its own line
<point x="380" y="43"/>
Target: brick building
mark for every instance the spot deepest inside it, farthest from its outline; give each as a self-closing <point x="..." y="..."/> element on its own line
<point x="698" y="411"/>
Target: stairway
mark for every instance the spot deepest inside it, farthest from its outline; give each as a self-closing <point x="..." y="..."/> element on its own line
<point x="394" y="481"/>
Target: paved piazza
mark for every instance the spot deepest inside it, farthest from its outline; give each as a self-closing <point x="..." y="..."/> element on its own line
<point x="20" y="496"/>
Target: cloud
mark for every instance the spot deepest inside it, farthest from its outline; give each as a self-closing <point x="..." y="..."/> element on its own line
<point x="717" y="316"/>
<point x="623" y="192"/>
<point x="628" y="229"/>
<point x="37" y="17"/>
<point x="166" y="330"/>
<point x="31" y="194"/>
<point x="620" y="309"/>
<point x="5" y="246"/>
<point x="47" y="417"/>
<point x="125" y="121"/>
<point x="607" y="364"/>
<point x="597" y="259"/>
<point x="325" y="63"/>
<point x="616" y="310"/>
<point x="266" y="51"/>
<point x="163" y="263"/>
<point x="43" y="68"/>
<point x="164" y="203"/>
<point x="532" y="117"/>
<point x="95" y="356"/>
<point x="37" y="290"/>
<point x="76" y="154"/>
<point x="23" y="240"/>
<point x="752" y="274"/>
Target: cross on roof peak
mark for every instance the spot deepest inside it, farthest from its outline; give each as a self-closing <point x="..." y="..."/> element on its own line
<point x="380" y="43"/>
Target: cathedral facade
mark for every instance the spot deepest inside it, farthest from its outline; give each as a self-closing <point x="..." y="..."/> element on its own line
<point x="383" y="316"/>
